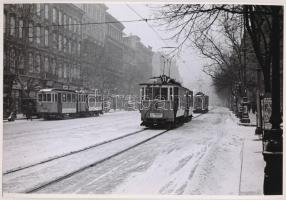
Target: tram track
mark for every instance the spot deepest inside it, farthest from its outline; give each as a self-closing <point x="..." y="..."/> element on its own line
<point x="77" y="151"/>
<point x="93" y="164"/>
<point x="71" y="153"/>
<point x="50" y="181"/>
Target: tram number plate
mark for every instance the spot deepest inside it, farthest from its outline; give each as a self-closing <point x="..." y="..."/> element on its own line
<point x="156" y="115"/>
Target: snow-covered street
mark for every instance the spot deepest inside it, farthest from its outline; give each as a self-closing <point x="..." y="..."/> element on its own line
<point x="204" y="156"/>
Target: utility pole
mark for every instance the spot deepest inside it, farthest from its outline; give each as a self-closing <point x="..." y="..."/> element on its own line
<point x="245" y="103"/>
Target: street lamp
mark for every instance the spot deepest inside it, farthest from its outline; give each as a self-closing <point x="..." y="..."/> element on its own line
<point x="258" y="130"/>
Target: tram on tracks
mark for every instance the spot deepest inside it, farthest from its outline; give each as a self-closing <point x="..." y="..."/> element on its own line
<point x="201" y="103"/>
<point x="60" y="103"/>
<point x="165" y="102"/>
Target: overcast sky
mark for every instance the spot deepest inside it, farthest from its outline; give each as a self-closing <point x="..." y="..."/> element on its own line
<point x="190" y="64"/>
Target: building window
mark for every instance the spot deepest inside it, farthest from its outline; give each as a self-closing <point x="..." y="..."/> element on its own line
<point x="78" y="72"/>
<point x="20" y="28"/>
<point x="38" y="9"/>
<point x="65" y="44"/>
<point x="60" y="71"/>
<point x="46" y="65"/>
<point x="47" y="11"/>
<point x="60" y="18"/>
<point x="74" y="26"/>
<point x="21" y="61"/>
<point x="30" y="32"/>
<point x="55" y="43"/>
<point x="46" y="37"/>
<point x="38" y="64"/>
<point x="12" y="26"/>
<point x="78" y="48"/>
<point x="12" y="61"/>
<point x="65" y="70"/>
<point x="38" y="35"/>
<point x="54" y="15"/>
<point x="65" y="19"/>
<point x="70" y="23"/>
<point x="31" y="63"/>
<point x="69" y="46"/>
<point x="60" y="42"/>
<point x="53" y="66"/>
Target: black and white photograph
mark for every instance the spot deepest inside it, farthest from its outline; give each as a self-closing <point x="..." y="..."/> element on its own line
<point x="142" y="99"/>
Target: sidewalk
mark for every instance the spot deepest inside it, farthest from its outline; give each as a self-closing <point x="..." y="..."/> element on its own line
<point x="252" y="174"/>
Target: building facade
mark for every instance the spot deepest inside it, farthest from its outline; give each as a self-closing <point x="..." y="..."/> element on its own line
<point x="69" y="46"/>
<point x="137" y="63"/>
<point x="112" y="69"/>
<point x="93" y="42"/>
<point x="41" y="49"/>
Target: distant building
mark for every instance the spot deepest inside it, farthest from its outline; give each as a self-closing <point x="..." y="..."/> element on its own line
<point x="112" y="74"/>
<point x="137" y="63"/>
<point x="93" y="42"/>
<point x="41" y="49"/>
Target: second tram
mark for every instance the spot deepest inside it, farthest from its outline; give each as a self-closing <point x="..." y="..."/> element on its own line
<point x="201" y="103"/>
<point x="59" y="103"/>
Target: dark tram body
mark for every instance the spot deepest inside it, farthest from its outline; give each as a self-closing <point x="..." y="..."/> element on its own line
<point x="201" y="103"/>
<point x="58" y="103"/>
<point x="164" y="102"/>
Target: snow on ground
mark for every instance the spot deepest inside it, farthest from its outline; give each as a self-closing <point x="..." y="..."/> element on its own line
<point x="27" y="179"/>
<point x="26" y="142"/>
<point x="202" y="157"/>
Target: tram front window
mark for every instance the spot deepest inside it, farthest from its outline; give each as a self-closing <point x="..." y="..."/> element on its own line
<point x="164" y="93"/>
<point x="148" y="93"/>
<point x="156" y="93"/>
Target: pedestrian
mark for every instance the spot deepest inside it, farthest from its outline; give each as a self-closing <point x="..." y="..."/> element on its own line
<point x="253" y="105"/>
<point x="29" y="111"/>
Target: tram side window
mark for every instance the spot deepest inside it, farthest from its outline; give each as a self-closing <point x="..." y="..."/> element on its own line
<point x="44" y="97"/>
<point x="73" y="97"/>
<point x="142" y="93"/>
<point x="68" y="97"/>
<point x="56" y="97"/>
<point x="49" y="97"/>
<point x="64" y="98"/>
<point x="176" y="97"/>
<point x="98" y="98"/>
<point x="171" y="94"/>
<point x="164" y="93"/>
<point x="40" y="97"/>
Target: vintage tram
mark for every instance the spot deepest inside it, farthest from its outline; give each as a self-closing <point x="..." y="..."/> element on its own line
<point x="59" y="103"/>
<point x="165" y="102"/>
<point x="201" y="103"/>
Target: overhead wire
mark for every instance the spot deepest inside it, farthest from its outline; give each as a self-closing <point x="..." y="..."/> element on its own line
<point x="92" y="23"/>
<point x="152" y="28"/>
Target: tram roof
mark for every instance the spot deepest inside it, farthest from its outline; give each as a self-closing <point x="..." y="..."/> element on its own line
<point x="163" y="80"/>
<point x="55" y="89"/>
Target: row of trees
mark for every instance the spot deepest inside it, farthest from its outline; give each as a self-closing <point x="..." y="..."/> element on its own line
<point x="234" y="38"/>
<point x="238" y="40"/>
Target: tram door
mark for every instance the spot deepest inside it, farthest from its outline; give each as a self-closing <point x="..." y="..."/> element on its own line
<point x="60" y="103"/>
